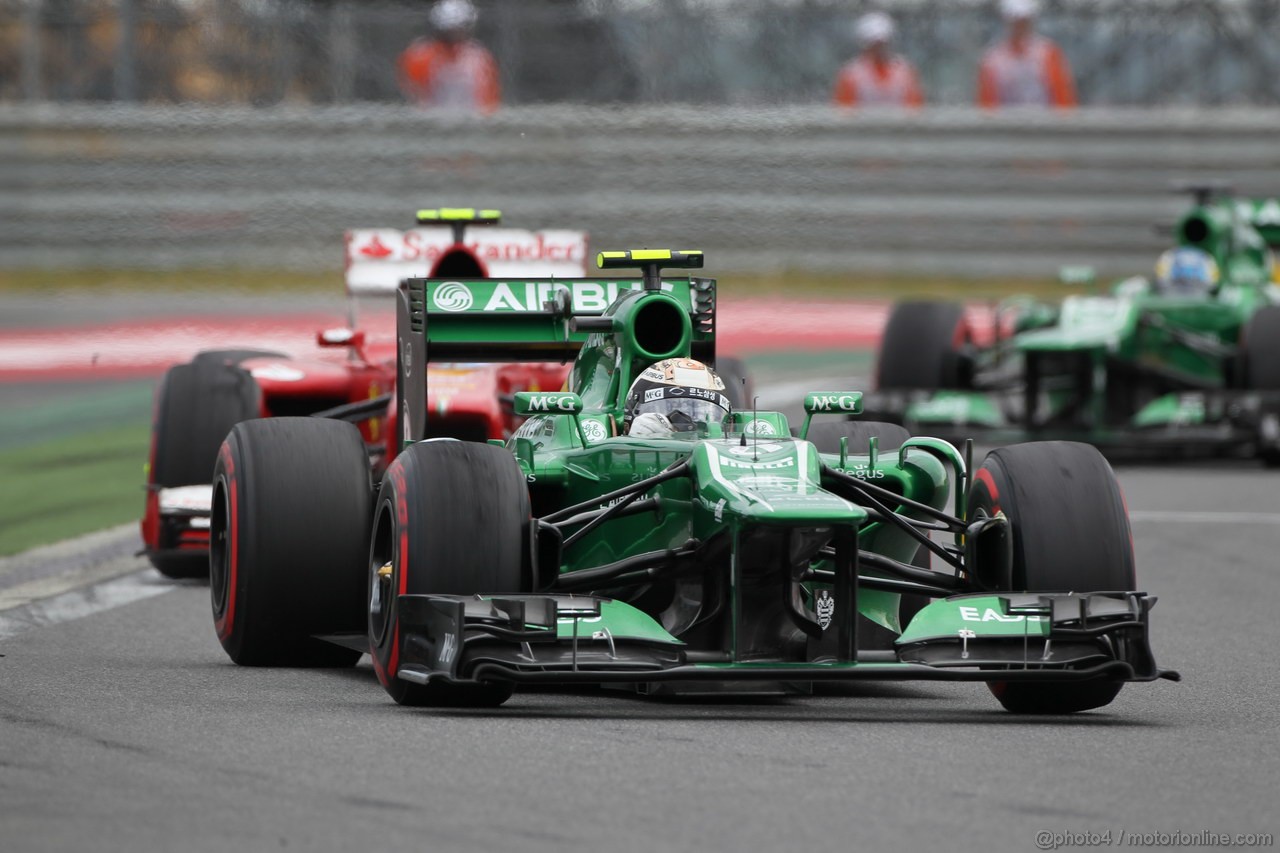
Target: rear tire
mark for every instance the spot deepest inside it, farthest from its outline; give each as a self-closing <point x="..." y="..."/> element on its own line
<point x="196" y="406"/>
<point x="925" y="346"/>
<point x="452" y="519"/>
<point x="1070" y="533"/>
<point x="289" y="536"/>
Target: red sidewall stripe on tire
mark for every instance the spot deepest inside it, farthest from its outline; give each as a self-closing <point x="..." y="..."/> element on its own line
<point x="226" y="623"/>
<point x="984" y="476"/>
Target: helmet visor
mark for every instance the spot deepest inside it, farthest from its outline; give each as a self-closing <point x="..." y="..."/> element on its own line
<point x="685" y="413"/>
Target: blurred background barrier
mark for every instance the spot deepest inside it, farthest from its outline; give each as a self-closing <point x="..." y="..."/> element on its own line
<point x="942" y="192"/>
<point x="263" y="52"/>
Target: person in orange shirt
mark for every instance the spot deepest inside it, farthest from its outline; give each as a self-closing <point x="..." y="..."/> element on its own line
<point x="451" y="71"/>
<point x="1024" y="68"/>
<point x="877" y="77"/>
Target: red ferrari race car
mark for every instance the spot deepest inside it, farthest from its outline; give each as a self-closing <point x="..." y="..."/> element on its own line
<point x="352" y="377"/>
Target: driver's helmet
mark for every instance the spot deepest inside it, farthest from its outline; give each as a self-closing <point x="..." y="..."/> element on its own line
<point x="679" y="394"/>
<point x="453" y="16"/>
<point x="1187" y="270"/>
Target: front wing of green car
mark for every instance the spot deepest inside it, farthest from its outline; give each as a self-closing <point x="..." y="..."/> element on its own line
<point x="565" y="639"/>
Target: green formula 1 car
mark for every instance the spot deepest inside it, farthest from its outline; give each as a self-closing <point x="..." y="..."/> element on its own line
<point x="727" y="556"/>
<point x="1162" y="366"/>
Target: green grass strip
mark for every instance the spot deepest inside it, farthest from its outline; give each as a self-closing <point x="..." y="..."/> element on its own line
<point x="77" y="484"/>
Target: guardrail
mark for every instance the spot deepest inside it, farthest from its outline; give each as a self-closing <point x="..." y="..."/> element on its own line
<point x="942" y="191"/>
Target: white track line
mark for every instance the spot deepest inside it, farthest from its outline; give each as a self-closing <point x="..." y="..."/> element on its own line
<point x="78" y="603"/>
<point x="75" y="578"/>
<point x="1177" y="517"/>
<point x="24" y="593"/>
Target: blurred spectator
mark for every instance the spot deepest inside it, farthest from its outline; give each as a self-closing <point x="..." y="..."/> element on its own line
<point x="877" y="77"/>
<point x="1024" y="68"/>
<point x="451" y="70"/>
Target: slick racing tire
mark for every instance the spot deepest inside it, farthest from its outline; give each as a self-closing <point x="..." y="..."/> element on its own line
<point x="451" y="518"/>
<point x="738" y="386"/>
<point x="925" y="346"/>
<point x="1070" y="532"/>
<point x="1260" y="359"/>
<point x="825" y="435"/>
<point x="289" y="534"/>
<point x="233" y="356"/>
<point x="196" y="406"/>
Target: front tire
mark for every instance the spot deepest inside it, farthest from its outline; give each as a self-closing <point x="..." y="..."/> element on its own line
<point x="289" y="535"/>
<point x="451" y="519"/>
<point x="1070" y="533"/>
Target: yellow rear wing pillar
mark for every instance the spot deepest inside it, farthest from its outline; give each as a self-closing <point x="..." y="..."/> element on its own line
<point x="651" y="262"/>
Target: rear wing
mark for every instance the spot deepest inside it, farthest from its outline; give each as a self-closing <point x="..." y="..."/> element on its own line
<point x="378" y="259"/>
<point x="525" y="319"/>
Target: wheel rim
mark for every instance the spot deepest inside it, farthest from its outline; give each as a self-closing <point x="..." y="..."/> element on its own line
<point x="219" y="552"/>
<point x="381" y="582"/>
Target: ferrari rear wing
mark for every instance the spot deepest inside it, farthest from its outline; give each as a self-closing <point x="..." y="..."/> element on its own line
<point x="378" y="259"/>
<point x="526" y="319"/>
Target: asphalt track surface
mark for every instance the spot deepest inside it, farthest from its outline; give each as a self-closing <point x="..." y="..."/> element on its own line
<point x="126" y="728"/>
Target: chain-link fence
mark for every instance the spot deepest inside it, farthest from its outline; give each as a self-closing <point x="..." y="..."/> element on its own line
<point x="1124" y="52"/>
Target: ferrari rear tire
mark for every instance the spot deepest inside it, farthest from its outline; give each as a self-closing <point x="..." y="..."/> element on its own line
<point x="451" y="518"/>
<point x="925" y="346"/>
<point x="196" y="406"/>
<point x="288" y="538"/>
<point x="1070" y="533"/>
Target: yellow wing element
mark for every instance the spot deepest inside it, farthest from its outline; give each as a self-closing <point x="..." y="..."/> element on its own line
<point x="432" y="216"/>
<point x="673" y="258"/>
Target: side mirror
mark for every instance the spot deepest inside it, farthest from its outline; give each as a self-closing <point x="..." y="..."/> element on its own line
<point x="529" y="403"/>
<point x="830" y="403"/>
<point x="340" y="337"/>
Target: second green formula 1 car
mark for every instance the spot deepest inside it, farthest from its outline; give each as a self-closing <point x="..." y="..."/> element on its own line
<point x="1185" y="363"/>
<point x="723" y="555"/>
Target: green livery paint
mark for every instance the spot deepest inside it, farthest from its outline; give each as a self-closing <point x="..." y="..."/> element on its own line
<point x="547" y="402"/>
<point x="1172" y="410"/>
<point x="621" y="620"/>
<point x="834" y="402"/>
<point x="985" y="616"/>
<point x="524" y="295"/>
